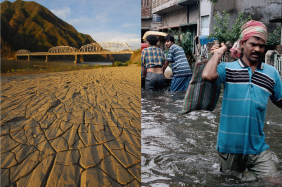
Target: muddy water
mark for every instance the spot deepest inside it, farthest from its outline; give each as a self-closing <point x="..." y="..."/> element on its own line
<point x="179" y="150"/>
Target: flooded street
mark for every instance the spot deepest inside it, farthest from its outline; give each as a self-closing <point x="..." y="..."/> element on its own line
<point x="179" y="150"/>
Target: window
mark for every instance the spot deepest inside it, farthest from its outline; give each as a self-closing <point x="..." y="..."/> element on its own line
<point x="205" y="25"/>
<point x="145" y="2"/>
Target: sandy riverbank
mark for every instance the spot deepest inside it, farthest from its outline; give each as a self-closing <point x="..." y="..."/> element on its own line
<point x="76" y="128"/>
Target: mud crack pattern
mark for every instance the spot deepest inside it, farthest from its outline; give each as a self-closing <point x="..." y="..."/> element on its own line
<point x="80" y="128"/>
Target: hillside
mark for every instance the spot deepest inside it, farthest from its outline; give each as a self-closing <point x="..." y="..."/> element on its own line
<point x="136" y="56"/>
<point x="29" y="25"/>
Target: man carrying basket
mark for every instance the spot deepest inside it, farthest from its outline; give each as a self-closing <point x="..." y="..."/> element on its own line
<point x="248" y="83"/>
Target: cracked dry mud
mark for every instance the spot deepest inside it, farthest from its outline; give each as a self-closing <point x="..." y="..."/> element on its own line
<point x="80" y="128"/>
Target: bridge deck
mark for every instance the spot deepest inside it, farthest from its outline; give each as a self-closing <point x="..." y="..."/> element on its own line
<point x="77" y="53"/>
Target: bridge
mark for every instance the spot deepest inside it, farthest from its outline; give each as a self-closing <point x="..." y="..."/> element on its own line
<point x="89" y="49"/>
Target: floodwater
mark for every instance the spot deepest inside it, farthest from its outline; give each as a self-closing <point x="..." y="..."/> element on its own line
<point x="179" y="150"/>
<point x="8" y="65"/>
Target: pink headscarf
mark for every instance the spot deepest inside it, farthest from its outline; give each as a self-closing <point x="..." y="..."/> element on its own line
<point x="249" y="29"/>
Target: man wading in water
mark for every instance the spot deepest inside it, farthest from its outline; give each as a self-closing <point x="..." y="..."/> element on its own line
<point x="153" y="59"/>
<point x="248" y="83"/>
<point x="180" y="67"/>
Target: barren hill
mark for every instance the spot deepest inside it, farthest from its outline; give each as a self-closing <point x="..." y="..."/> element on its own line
<point x="29" y="25"/>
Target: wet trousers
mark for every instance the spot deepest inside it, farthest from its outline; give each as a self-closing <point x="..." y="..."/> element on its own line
<point x="254" y="166"/>
<point x="154" y="81"/>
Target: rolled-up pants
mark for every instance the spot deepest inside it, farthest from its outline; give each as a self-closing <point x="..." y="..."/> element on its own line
<point x="154" y="81"/>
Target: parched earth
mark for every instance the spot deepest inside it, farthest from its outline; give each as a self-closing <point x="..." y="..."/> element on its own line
<point x="80" y="128"/>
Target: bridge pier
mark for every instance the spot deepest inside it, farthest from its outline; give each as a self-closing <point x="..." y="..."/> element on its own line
<point x="47" y="58"/>
<point x="77" y="59"/>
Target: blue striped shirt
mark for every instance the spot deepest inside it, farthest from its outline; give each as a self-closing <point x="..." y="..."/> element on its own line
<point x="179" y="64"/>
<point x="244" y="105"/>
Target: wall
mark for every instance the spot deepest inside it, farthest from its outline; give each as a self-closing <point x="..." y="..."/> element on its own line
<point x="179" y="16"/>
<point x="175" y="17"/>
<point x="260" y="10"/>
<point x="146" y="16"/>
<point x="146" y="11"/>
<point x="146" y="23"/>
<point x="193" y="13"/>
<point x="205" y="10"/>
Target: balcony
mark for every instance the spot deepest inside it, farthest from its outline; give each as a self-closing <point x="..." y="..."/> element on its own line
<point x="187" y="2"/>
<point x="156" y="25"/>
<point x="146" y="26"/>
<point x="164" y="6"/>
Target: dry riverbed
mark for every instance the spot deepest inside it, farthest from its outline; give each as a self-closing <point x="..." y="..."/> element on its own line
<point x="75" y="128"/>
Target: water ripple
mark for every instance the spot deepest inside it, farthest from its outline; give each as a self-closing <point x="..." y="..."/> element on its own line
<point x="179" y="150"/>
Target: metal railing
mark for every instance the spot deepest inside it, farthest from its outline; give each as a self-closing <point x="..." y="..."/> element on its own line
<point x="22" y="51"/>
<point x="157" y="3"/>
<point x="278" y="63"/>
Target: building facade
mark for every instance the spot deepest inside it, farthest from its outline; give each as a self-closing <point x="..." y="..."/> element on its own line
<point x="197" y="16"/>
<point x="176" y="14"/>
<point x="146" y="16"/>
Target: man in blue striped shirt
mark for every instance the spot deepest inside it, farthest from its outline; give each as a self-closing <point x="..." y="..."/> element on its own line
<point x="180" y="67"/>
<point x="248" y="84"/>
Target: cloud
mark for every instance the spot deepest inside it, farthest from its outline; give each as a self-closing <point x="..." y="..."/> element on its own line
<point x="127" y="25"/>
<point x="104" y="32"/>
<point x="81" y="21"/>
<point x="132" y="39"/>
<point x="102" y="17"/>
<point x="62" y="13"/>
<point x="107" y="20"/>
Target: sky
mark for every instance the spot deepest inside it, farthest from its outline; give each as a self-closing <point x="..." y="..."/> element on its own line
<point x="103" y="20"/>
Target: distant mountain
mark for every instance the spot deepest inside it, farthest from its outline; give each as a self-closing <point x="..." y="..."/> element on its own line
<point x="29" y="25"/>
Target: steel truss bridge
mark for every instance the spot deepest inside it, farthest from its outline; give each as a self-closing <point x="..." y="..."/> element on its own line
<point x="89" y="49"/>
